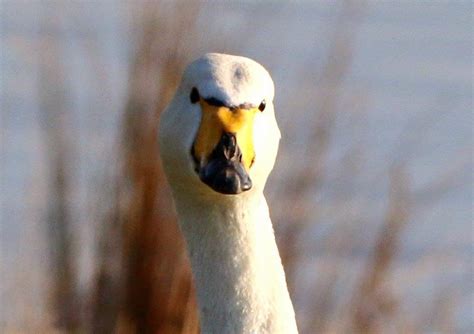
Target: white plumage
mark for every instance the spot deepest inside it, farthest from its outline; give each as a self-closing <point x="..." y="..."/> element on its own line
<point x="239" y="278"/>
<point x="232" y="79"/>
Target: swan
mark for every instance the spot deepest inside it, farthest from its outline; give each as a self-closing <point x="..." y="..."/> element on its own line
<point x="218" y="143"/>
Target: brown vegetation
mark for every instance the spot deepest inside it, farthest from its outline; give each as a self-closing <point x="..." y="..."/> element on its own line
<point x="143" y="280"/>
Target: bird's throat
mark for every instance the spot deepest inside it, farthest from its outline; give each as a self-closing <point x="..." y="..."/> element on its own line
<point x="238" y="274"/>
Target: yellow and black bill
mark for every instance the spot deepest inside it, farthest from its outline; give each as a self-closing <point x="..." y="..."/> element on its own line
<point x="223" y="149"/>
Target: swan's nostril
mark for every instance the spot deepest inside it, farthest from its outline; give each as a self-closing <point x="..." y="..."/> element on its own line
<point x="228" y="144"/>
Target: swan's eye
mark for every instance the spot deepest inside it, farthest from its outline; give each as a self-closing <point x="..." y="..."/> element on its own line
<point x="262" y="106"/>
<point x="194" y="96"/>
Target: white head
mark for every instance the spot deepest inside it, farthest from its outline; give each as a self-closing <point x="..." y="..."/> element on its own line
<point x="219" y="136"/>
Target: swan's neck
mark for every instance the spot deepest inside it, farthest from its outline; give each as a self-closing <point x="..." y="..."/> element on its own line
<point x="239" y="278"/>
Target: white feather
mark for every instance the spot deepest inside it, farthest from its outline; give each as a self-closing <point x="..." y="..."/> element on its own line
<point x="239" y="277"/>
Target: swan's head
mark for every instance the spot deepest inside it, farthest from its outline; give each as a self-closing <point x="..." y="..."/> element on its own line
<point x="219" y="134"/>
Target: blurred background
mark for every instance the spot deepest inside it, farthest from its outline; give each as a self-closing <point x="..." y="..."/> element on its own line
<point x="371" y="196"/>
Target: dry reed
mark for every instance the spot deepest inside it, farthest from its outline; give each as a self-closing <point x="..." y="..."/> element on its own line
<point x="143" y="281"/>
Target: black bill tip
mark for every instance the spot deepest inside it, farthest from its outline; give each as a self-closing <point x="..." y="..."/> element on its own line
<point x="226" y="177"/>
<point x="224" y="172"/>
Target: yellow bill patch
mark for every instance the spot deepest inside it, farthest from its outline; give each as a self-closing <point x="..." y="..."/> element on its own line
<point x="216" y="120"/>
